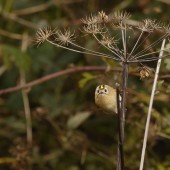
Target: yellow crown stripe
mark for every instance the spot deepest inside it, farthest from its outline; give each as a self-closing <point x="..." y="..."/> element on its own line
<point x="101" y="87"/>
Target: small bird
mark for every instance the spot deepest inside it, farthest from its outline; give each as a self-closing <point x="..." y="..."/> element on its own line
<point x="105" y="98"/>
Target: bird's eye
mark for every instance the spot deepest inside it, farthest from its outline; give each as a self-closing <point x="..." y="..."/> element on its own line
<point x="98" y="91"/>
<point x="105" y="90"/>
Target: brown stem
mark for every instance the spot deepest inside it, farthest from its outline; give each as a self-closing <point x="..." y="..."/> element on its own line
<point x="18" y="20"/>
<point x="122" y="116"/>
<point x="33" y="9"/>
<point x="123" y="103"/>
<point x="120" y="156"/>
<point x="54" y="75"/>
<point x="10" y="35"/>
<point x="64" y="72"/>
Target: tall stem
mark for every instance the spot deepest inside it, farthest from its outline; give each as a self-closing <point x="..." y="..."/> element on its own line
<point x="123" y="103"/>
<point x="121" y="114"/>
<point x="150" y="107"/>
<point x="25" y="97"/>
<point x="120" y="155"/>
<point x="26" y="109"/>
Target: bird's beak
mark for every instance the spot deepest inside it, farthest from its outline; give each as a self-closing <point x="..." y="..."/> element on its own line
<point x="101" y="93"/>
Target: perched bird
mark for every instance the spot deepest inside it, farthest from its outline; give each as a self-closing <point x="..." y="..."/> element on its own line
<point x="105" y="98"/>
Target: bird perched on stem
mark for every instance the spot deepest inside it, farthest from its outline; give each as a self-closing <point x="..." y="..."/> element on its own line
<point x="105" y="98"/>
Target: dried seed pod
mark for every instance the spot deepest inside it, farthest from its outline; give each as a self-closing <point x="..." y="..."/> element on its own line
<point x="145" y="72"/>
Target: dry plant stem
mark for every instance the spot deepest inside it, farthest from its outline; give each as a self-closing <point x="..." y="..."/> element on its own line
<point x="123" y="103"/>
<point x="55" y="75"/>
<point x="10" y="35"/>
<point x="25" y="96"/>
<point x="64" y="72"/>
<point x="150" y="107"/>
<point x="118" y="159"/>
<point x="122" y="116"/>
<point x="26" y="110"/>
<point x="34" y="9"/>
<point x="18" y="20"/>
<point x="120" y="156"/>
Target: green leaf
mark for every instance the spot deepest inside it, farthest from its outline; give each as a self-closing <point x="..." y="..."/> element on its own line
<point x="86" y="78"/>
<point x="167" y="63"/>
<point x="13" y="55"/>
<point x="160" y="84"/>
<point x="168" y="89"/>
<point x="110" y="62"/>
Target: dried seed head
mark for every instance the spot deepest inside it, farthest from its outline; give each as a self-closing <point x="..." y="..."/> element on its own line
<point x="120" y="20"/>
<point x="43" y="34"/>
<point x="93" y="29"/>
<point x="121" y="16"/>
<point x="102" y="17"/>
<point x="145" y="72"/>
<point x="125" y="52"/>
<point x="65" y="37"/>
<point x="108" y="41"/>
<point x="122" y="25"/>
<point x="167" y="29"/>
<point x="90" y="20"/>
<point x="96" y="19"/>
<point x="149" y="25"/>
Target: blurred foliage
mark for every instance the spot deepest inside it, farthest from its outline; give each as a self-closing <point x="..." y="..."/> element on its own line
<point x="69" y="131"/>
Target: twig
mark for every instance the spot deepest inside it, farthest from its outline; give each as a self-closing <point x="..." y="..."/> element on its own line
<point x="164" y="76"/>
<point x="42" y="7"/>
<point x="25" y="96"/>
<point x="61" y="73"/>
<point x="34" y="9"/>
<point x="19" y="20"/>
<point x="11" y="35"/>
<point x="54" y="75"/>
<point x="163" y="135"/>
<point x="150" y="107"/>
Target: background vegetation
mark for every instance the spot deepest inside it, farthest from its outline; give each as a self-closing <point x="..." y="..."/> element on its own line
<point x="69" y="131"/>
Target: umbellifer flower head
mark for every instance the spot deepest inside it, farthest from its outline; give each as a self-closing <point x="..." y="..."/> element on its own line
<point x="133" y="45"/>
<point x="93" y="29"/>
<point x="148" y="25"/>
<point x="65" y="37"/>
<point x="43" y="34"/>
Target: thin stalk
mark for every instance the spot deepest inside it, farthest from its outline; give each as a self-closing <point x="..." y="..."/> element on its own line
<point x="123" y="41"/>
<point x="123" y="103"/>
<point x="120" y="155"/>
<point x="150" y="53"/>
<point x="93" y="52"/>
<point x="136" y="43"/>
<point x="119" y="56"/>
<point x="131" y="56"/>
<point x="125" y="31"/>
<point x="83" y="52"/>
<point x="121" y="115"/>
<point x="150" y="107"/>
<point x="118" y="159"/>
<point x="25" y="96"/>
<point x="150" y="46"/>
<point x="26" y="109"/>
<point x="148" y="59"/>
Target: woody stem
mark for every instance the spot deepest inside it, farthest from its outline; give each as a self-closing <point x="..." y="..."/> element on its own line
<point x="122" y="114"/>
